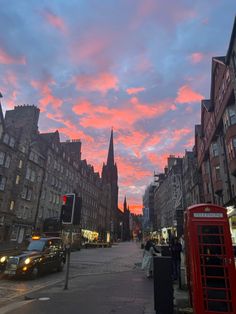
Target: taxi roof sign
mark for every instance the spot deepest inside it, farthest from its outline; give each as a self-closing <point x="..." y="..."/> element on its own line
<point x="35" y="237"/>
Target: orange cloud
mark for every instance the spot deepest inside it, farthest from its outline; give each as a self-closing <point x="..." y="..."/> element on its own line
<point x="134" y="208"/>
<point x="196" y="57"/>
<point x="47" y="98"/>
<point x="186" y="95"/>
<point x="55" y="21"/>
<point x="7" y="59"/>
<point x="134" y="90"/>
<point x="102" y="83"/>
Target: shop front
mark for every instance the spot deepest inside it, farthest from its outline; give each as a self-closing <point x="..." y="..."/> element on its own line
<point x="89" y="236"/>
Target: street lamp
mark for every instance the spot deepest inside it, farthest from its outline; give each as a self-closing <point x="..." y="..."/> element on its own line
<point x="121" y="232"/>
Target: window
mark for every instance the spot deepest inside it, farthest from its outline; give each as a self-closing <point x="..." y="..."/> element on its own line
<point x="27" y="176"/>
<point x="7" y="161"/>
<point x="12" y="142"/>
<point x="34" y="157"/>
<point x="17" y="179"/>
<point x="20" y="164"/>
<point x="214" y="149"/>
<point x="2" y="157"/>
<point x="24" y="192"/>
<point x="217" y="173"/>
<point x="227" y="77"/>
<point x="229" y="117"/>
<point x="32" y="177"/>
<point x="43" y="195"/>
<point x="12" y="203"/>
<point x="2" y="183"/>
<point x="25" y="213"/>
<point x="6" y="138"/>
<point x="22" y="148"/>
<point x="1" y="130"/>
<point x="29" y="195"/>
<point x="40" y="214"/>
<point x="231" y="147"/>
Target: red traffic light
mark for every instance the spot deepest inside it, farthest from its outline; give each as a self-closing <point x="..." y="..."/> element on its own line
<point x="64" y="198"/>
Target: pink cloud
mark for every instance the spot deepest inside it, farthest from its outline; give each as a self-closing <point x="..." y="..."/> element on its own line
<point x="125" y="116"/>
<point x="7" y="59"/>
<point x="186" y="95"/>
<point x="102" y="83"/>
<point x="55" y="21"/>
<point x="71" y="130"/>
<point x="130" y="170"/>
<point x="47" y="98"/>
<point x="135" y="90"/>
<point x="158" y="160"/>
<point x="196" y="57"/>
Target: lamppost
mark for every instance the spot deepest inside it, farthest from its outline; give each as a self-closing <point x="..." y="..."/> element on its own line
<point x="121" y="230"/>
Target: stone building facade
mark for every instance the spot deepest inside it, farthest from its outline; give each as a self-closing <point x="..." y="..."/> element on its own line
<point x="36" y="169"/>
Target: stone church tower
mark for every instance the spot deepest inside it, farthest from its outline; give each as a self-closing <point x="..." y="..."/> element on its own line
<point x="110" y="176"/>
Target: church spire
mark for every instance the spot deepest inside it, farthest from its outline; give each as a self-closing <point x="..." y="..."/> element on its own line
<point x="125" y="204"/>
<point x="110" y="157"/>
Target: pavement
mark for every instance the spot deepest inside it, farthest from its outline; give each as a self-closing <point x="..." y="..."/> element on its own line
<point x="126" y="291"/>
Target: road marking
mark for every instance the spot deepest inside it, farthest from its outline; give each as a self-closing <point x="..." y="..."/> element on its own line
<point x="44" y="299"/>
<point x="14" y="306"/>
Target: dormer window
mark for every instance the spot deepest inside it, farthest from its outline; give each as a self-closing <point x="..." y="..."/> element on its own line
<point x="229" y="117"/>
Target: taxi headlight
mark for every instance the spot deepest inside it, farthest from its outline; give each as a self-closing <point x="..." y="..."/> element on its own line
<point x="27" y="261"/>
<point x="3" y="259"/>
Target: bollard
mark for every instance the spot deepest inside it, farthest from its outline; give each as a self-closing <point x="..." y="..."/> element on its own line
<point x="163" y="286"/>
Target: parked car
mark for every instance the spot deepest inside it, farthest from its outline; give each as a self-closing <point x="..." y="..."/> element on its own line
<point x="42" y="255"/>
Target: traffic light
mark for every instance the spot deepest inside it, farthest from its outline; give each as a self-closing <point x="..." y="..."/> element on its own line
<point x="77" y="210"/>
<point x="71" y="209"/>
<point x="67" y="209"/>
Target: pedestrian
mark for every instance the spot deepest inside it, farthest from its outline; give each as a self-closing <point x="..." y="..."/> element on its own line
<point x="148" y="253"/>
<point x="176" y="249"/>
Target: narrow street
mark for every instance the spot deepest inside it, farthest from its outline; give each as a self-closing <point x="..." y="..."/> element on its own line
<point x="91" y="269"/>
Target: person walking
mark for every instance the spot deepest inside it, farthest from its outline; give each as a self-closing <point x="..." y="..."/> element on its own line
<point x="148" y="253"/>
<point x="176" y="249"/>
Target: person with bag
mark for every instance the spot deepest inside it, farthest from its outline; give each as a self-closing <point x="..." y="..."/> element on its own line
<point x="148" y="253"/>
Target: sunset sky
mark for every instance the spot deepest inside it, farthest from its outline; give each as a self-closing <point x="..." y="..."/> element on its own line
<point x="139" y="66"/>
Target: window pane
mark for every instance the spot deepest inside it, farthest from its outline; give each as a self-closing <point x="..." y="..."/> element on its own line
<point x="7" y="162"/>
<point x="2" y="155"/>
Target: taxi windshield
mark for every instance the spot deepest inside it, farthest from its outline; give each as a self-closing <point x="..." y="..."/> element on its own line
<point x="36" y="245"/>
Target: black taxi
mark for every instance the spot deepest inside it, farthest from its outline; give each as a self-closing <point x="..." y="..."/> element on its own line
<point x="42" y="255"/>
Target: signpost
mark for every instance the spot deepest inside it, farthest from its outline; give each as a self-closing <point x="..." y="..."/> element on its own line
<point x="70" y="215"/>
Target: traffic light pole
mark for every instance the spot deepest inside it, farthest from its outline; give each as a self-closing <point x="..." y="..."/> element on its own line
<point x="68" y="251"/>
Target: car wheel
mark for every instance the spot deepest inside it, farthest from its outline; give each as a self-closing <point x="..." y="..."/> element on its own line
<point x="60" y="266"/>
<point x="34" y="273"/>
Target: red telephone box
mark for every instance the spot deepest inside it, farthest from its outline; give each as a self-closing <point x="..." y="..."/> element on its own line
<point x="210" y="263"/>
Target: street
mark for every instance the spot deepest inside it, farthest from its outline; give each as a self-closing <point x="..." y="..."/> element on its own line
<point x="112" y="274"/>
